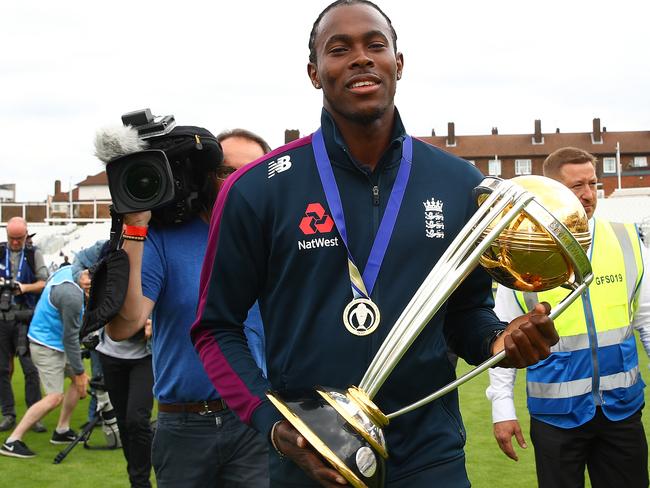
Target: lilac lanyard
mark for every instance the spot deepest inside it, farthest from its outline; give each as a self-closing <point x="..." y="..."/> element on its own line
<point x="8" y="264"/>
<point x="362" y="286"/>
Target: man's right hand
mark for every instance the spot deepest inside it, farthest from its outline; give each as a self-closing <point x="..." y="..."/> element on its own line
<point x="140" y="219"/>
<point x="294" y="446"/>
<point x="80" y="382"/>
<point x="503" y="433"/>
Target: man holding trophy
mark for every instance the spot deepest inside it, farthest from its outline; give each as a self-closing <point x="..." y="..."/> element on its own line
<point x="333" y="234"/>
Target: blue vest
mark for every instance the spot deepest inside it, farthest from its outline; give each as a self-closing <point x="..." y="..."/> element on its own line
<point x="46" y="327"/>
<point x="24" y="274"/>
<point x="595" y="363"/>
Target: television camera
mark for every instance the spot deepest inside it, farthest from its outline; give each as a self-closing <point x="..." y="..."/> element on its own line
<point x="8" y="288"/>
<point x="153" y="164"/>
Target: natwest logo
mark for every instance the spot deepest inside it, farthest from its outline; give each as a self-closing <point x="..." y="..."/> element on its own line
<point x="316" y="220"/>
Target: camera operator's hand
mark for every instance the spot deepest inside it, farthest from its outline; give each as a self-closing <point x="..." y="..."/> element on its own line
<point x="80" y="382"/>
<point x="140" y="219"/>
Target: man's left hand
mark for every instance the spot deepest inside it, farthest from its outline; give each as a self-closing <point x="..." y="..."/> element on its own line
<point x="80" y="382"/>
<point x="18" y="288"/>
<point x="528" y="338"/>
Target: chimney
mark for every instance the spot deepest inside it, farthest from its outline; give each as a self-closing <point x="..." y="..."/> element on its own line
<point x="604" y="129"/>
<point x="537" y="137"/>
<point x="596" y="135"/>
<point x="451" y="134"/>
<point x="291" y="135"/>
<point x="557" y="130"/>
<point x="57" y="187"/>
<point x="495" y="131"/>
<point x="433" y="132"/>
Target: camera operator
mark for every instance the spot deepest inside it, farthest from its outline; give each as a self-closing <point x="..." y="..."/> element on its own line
<point x="128" y="379"/>
<point x="54" y="346"/>
<point x="198" y="441"/>
<point x="23" y="274"/>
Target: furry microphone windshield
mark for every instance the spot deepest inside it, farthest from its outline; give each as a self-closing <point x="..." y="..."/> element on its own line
<point x="113" y="142"/>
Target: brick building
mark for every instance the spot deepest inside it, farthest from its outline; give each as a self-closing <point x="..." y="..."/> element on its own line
<point x="85" y="195"/>
<point x="508" y="155"/>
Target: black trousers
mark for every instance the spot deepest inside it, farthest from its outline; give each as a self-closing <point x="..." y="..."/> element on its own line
<point x="129" y="383"/>
<point x="12" y="336"/>
<point x="615" y="453"/>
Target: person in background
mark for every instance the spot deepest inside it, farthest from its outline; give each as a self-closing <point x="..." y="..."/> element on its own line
<point x="126" y="369"/>
<point x="22" y="263"/>
<point x="54" y="346"/>
<point x="585" y="400"/>
<point x="198" y="441"/>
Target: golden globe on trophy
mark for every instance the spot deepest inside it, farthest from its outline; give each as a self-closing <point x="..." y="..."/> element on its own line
<point x="530" y="233"/>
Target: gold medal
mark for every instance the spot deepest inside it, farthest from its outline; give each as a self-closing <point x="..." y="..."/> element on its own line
<point x="361" y="317"/>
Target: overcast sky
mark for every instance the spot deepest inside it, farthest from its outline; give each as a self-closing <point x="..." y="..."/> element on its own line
<point x="70" y="67"/>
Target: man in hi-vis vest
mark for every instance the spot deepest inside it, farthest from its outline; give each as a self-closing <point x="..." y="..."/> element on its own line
<point x="585" y="399"/>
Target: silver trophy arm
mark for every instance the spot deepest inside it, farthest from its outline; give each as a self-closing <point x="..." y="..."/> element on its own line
<point x="457" y="262"/>
<point x="460" y="259"/>
<point x="582" y="278"/>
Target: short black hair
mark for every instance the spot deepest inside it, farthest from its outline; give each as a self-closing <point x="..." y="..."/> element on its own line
<point x="339" y="3"/>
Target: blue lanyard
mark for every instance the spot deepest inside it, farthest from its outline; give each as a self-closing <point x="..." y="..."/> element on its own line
<point x="8" y="263"/>
<point x="362" y="286"/>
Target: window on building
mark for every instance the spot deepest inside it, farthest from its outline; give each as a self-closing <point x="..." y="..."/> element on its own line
<point x="523" y="166"/>
<point x="609" y="165"/>
<point x="640" y="161"/>
<point x="472" y="162"/>
<point x="494" y="167"/>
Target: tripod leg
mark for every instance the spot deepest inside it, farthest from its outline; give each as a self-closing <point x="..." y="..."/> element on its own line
<point x="83" y="435"/>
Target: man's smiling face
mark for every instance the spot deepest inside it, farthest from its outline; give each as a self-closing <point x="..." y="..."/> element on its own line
<point x="356" y="64"/>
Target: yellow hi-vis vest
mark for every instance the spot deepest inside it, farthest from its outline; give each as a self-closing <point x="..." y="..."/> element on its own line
<point x="595" y="363"/>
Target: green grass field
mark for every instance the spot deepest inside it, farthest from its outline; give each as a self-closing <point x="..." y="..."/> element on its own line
<point x="487" y="465"/>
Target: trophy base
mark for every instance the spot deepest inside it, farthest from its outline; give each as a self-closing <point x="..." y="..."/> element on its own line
<point x="335" y="425"/>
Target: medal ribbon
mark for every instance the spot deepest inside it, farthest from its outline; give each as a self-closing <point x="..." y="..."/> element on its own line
<point x="362" y="286"/>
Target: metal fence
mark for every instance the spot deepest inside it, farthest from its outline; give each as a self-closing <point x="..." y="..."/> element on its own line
<point x="88" y="211"/>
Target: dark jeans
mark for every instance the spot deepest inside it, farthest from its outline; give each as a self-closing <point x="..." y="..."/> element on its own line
<point x="615" y="453"/>
<point x="129" y="383"/>
<point x="191" y="450"/>
<point x="11" y="336"/>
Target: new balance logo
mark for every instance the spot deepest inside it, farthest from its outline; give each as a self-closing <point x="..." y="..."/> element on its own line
<point x="279" y="165"/>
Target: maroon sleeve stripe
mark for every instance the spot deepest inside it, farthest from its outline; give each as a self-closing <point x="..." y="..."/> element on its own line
<point x="235" y="392"/>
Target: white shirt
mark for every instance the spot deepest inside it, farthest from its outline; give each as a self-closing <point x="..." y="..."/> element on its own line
<point x="502" y="380"/>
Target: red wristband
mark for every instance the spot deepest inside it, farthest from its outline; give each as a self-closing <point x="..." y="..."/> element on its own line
<point x="134" y="230"/>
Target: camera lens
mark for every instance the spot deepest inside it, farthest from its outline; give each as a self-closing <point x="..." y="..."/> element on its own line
<point x="142" y="182"/>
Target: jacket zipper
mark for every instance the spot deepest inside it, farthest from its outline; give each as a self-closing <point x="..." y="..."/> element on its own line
<point x="375" y="195"/>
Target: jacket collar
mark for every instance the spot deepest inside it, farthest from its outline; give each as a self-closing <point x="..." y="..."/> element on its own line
<point x="339" y="153"/>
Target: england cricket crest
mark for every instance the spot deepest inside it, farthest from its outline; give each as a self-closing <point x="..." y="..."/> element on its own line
<point x="434" y="219"/>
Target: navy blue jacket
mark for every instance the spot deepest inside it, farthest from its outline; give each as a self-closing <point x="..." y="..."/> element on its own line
<point x="278" y="245"/>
